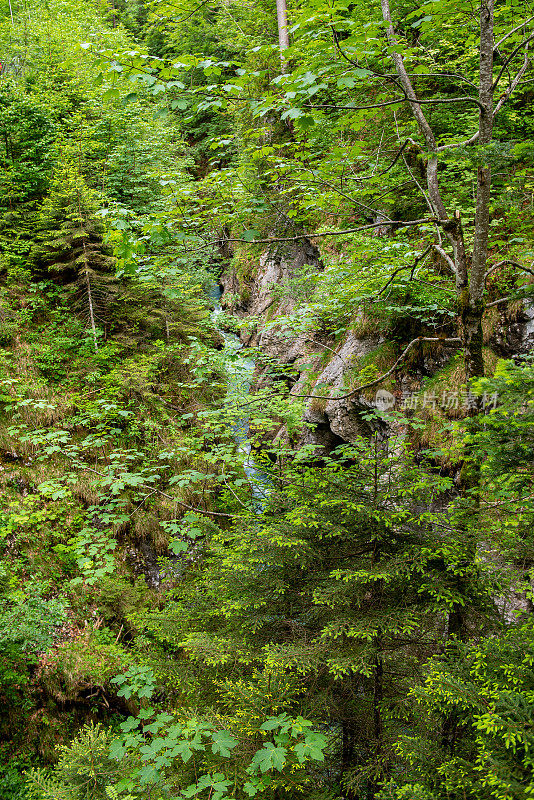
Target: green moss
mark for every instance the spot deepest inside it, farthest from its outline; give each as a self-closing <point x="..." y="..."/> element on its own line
<point x="370" y="366"/>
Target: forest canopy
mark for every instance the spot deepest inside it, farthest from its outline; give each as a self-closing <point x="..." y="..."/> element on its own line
<point x="266" y="400"/>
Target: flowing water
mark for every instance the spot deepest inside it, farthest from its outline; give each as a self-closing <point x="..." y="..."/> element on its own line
<point x="240" y="371"/>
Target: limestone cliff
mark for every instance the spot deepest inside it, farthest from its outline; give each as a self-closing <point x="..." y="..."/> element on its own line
<point x="330" y="364"/>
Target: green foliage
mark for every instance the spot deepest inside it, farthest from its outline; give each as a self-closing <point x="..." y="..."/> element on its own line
<point x="474" y="735"/>
<point x="27" y="137"/>
<point x="138" y="681"/>
<point x="341" y="585"/>
<point x="12" y="783"/>
<point x="29" y="624"/>
<point x="29" y="621"/>
<point x="84" y="769"/>
<point x="155" y="750"/>
<point x="504" y="436"/>
<point x="296" y="637"/>
<point x="166" y="748"/>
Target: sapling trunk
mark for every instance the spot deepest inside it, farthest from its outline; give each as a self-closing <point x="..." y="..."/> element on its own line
<point x="283" y="35"/>
<point x="89" y="296"/>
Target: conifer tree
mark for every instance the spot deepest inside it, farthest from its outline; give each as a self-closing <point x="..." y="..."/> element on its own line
<point x="71" y="245"/>
<point x="346" y="583"/>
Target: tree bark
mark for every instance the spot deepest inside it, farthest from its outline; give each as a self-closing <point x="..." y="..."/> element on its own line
<point x="480" y="244"/>
<point x="430" y="140"/>
<point x="89" y="296"/>
<point x="471" y="307"/>
<point x="469" y="273"/>
<point x="283" y="35"/>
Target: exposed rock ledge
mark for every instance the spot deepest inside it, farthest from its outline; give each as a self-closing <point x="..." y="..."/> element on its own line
<point x="331" y="421"/>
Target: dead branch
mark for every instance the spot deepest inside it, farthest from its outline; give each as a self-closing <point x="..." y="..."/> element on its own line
<point x="507" y="261"/>
<point x="273" y="240"/>
<point x="370" y="384"/>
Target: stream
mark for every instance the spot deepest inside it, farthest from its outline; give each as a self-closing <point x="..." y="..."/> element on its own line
<point x="240" y="372"/>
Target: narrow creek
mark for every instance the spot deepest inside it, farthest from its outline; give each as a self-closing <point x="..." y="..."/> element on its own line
<point x="240" y="371"/>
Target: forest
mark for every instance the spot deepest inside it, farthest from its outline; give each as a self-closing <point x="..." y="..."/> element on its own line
<point x="267" y="399"/>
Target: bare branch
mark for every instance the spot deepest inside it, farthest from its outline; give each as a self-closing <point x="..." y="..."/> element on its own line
<point x="223" y="476"/>
<point x="391" y="165"/>
<point x="340" y="50"/>
<point x="413" y="102"/>
<point x="411" y="173"/>
<point x="273" y="240"/>
<point x="396" y="188"/>
<point x="385" y="375"/>
<point x="448" y="260"/>
<point x="412" y="267"/>
<point x="168" y="497"/>
<point x="507" y="261"/>
<point x="322" y="182"/>
<point x="514" y="84"/>
<point x="506" y="35"/>
<point x="422" y="122"/>
<point x="394" y="79"/>
<point x="465" y="143"/>
<point x="510" y="58"/>
<point x="193" y="12"/>
<point x="420" y="75"/>
<point x="145" y="498"/>
<point x="320" y="344"/>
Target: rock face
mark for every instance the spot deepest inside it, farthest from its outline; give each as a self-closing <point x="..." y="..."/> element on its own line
<point x="274" y="268"/>
<point x="527" y="332"/>
<point x="513" y="334"/>
<point x="330" y="419"/>
<point x="342" y="417"/>
<point x="329" y="422"/>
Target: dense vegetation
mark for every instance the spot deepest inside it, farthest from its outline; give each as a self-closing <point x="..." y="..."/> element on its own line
<point x="351" y="617"/>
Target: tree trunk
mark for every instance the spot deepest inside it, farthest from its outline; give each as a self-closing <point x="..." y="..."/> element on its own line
<point x="472" y="306"/>
<point x="480" y="244"/>
<point x="469" y="278"/>
<point x="470" y="315"/>
<point x="347" y="756"/>
<point x="283" y="35"/>
<point x="89" y="296"/>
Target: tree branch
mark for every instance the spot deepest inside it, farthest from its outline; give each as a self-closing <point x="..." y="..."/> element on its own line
<point x="407" y="99"/>
<point x="422" y="122"/>
<point x="168" y="497"/>
<point x="465" y="143"/>
<point x="378" y="174"/>
<point x="184" y="19"/>
<point x="273" y="240"/>
<point x="322" y="182"/>
<point x="355" y="63"/>
<point x="402" y="269"/>
<point x="510" y="58"/>
<point x="448" y="260"/>
<point x="370" y="384"/>
<point x="510" y="33"/>
<point x="507" y="261"/>
<point x="419" y="75"/>
<point x="514" y="84"/>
